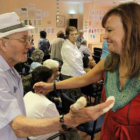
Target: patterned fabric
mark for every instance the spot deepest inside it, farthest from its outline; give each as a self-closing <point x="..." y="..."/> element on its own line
<point x="26" y="81"/>
<point x="122" y="97"/>
<point x="12" y="28"/>
<point x="37" y="55"/>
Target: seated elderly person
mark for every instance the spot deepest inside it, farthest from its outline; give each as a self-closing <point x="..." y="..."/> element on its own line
<point x="54" y="96"/>
<point x="54" y="65"/>
<point x="88" y="63"/>
<point x="84" y="48"/>
<point x="49" y="63"/>
<point x="37" y="57"/>
<point x="37" y="105"/>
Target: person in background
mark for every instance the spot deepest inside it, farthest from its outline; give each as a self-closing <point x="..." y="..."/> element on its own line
<point x="56" y="46"/>
<point x="37" y="57"/>
<point x="84" y="48"/>
<point x="14" y="125"/>
<point x="38" y="106"/>
<point x="54" y="96"/>
<point x="80" y="38"/>
<point x="105" y="51"/>
<point x="72" y="57"/>
<point x="121" y="70"/>
<point x="54" y="65"/>
<point x="88" y="63"/>
<point x="32" y="44"/>
<point x="44" y="44"/>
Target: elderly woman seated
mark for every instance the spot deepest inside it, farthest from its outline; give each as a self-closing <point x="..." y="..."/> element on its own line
<point x="37" y="57"/>
<point x="37" y="105"/>
<point x="54" y="65"/>
<point x="84" y="48"/>
<point x="51" y="64"/>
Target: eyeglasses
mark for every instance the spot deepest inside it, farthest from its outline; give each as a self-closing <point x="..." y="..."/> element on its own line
<point x="74" y="34"/>
<point x="22" y="40"/>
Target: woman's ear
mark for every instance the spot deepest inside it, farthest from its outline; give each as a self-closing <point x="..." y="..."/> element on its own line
<point x="2" y="45"/>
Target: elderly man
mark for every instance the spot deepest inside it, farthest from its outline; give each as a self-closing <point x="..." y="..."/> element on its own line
<point x="80" y="38"/>
<point x="14" y="125"/>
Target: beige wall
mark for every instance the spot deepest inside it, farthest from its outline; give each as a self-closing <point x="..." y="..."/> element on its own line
<point x="46" y="5"/>
<point x="50" y="21"/>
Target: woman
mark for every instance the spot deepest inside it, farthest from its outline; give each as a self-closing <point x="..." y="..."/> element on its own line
<point x="122" y="73"/>
<point x="72" y="58"/>
<point x="38" y="106"/>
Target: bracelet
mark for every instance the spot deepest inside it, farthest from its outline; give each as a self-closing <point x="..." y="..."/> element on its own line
<point x="54" y="86"/>
<point x="62" y="122"/>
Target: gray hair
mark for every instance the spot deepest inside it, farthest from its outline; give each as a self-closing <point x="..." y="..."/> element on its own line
<point x="50" y="63"/>
<point x="84" y="42"/>
<point x="37" y="55"/>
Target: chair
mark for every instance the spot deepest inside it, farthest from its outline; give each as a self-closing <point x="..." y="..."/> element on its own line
<point x="91" y="127"/>
<point x="57" y="135"/>
<point x="96" y="58"/>
<point x="97" y="51"/>
<point x="66" y="102"/>
<point x="93" y="91"/>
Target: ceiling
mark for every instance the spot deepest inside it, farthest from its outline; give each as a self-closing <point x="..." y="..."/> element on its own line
<point x="100" y="2"/>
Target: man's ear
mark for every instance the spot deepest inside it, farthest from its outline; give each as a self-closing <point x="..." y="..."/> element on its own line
<point x="2" y="45"/>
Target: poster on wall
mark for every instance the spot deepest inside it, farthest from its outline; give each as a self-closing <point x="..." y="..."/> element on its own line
<point x="24" y="12"/>
<point x="26" y="22"/>
<point x="45" y="14"/>
<point x="61" y="21"/>
<point x="31" y="6"/>
<point x="31" y="13"/>
<point x="38" y="22"/>
<point x="94" y="26"/>
<point x="39" y="14"/>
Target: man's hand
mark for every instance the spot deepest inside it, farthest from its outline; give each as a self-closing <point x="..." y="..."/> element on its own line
<point x="76" y="117"/>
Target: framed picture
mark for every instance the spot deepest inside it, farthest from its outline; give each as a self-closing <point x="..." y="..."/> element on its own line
<point x="60" y="21"/>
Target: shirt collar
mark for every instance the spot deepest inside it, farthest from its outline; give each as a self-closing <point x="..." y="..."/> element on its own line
<point x="71" y="43"/>
<point x="4" y="64"/>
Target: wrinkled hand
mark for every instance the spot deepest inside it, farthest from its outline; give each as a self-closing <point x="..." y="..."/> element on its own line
<point x="86" y="114"/>
<point x="41" y="88"/>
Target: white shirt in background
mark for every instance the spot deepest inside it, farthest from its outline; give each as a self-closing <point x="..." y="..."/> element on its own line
<point x="72" y="60"/>
<point x="38" y="106"/>
<point x="84" y="49"/>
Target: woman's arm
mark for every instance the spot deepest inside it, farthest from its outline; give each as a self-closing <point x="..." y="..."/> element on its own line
<point x="24" y="127"/>
<point x="93" y="76"/>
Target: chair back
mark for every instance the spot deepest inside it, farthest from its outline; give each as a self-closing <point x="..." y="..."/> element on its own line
<point x="97" y="51"/>
<point x="66" y="102"/>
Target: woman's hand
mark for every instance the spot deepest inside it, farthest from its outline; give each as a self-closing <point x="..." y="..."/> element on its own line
<point x="42" y="88"/>
<point x="86" y="114"/>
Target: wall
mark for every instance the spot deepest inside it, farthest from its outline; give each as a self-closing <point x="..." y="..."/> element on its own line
<point x="50" y="7"/>
<point x="50" y="21"/>
<point x="93" y="15"/>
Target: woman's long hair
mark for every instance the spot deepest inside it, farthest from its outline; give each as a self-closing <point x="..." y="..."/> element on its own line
<point x="130" y="17"/>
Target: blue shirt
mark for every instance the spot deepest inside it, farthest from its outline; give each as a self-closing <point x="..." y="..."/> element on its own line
<point x="11" y="100"/>
<point x="105" y="51"/>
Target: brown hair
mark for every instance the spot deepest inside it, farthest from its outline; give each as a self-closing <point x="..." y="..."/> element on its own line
<point x="60" y="34"/>
<point x="130" y="17"/>
<point x="69" y="29"/>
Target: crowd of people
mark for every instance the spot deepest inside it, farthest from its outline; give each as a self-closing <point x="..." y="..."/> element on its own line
<point x="67" y="63"/>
